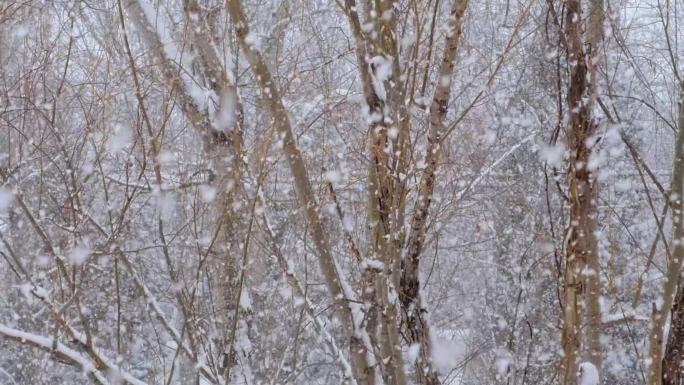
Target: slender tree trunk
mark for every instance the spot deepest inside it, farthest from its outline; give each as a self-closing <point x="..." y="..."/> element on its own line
<point x="223" y="147"/>
<point x="352" y="314"/>
<point x="592" y="350"/>
<point x="582" y="286"/>
<point x="385" y="189"/>
<point x="672" y="373"/>
<point x="415" y="315"/>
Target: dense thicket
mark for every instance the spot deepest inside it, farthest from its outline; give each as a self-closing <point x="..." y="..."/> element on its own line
<point x="350" y="192"/>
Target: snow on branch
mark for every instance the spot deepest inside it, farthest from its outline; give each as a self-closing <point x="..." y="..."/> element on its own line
<point x="61" y="352"/>
<point x="199" y="94"/>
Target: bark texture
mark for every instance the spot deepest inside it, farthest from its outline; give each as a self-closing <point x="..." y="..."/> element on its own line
<point x="582" y="285"/>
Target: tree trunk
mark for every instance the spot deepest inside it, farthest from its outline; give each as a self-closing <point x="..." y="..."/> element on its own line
<point x="582" y="286"/>
<point x="352" y="314"/>
<point x="223" y="148"/>
<point x="674" y="350"/>
<point x="415" y="315"/>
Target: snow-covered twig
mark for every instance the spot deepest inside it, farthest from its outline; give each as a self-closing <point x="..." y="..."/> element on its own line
<point x="62" y="352"/>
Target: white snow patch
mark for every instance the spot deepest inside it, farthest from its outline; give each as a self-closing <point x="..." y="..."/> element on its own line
<point x="552" y="155"/>
<point x="208" y="193"/>
<point x="623" y="185"/>
<point x="332" y="176"/>
<point x="412" y="354"/>
<point x="245" y="300"/>
<point x="503" y="367"/>
<point x="25" y="290"/>
<point x="393" y="133"/>
<point x="372" y="264"/>
<point x="330" y="209"/>
<point x="546" y="247"/>
<point x="20" y="31"/>
<point x="226" y="114"/>
<point x="446" y="354"/>
<point x="382" y="70"/>
<point x="166" y="157"/>
<point x="166" y="205"/>
<point x="253" y="40"/>
<point x="6" y="198"/>
<point x="40" y="292"/>
<point x="596" y="160"/>
<point x="79" y="254"/>
<point x="551" y="54"/>
<point x="299" y="301"/>
<point x="348" y="224"/>
<point x="408" y="40"/>
<point x="490" y="136"/>
<point x="588" y="374"/>
<point x="120" y="139"/>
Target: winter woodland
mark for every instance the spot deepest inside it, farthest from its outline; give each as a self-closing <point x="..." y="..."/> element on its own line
<point x="356" y="192"/>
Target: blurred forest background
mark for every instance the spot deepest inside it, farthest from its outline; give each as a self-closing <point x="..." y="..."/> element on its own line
<point x="341" y="192"/>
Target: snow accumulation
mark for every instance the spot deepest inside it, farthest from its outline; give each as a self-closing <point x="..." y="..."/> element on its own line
<point x="588" y="374"/>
